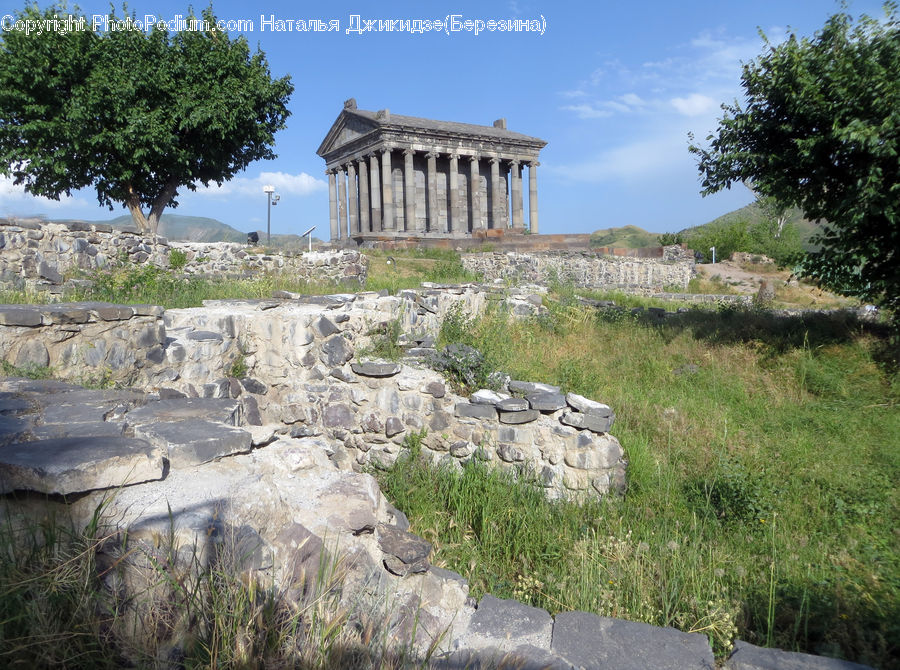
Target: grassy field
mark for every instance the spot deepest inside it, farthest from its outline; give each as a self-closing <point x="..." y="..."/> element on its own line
<point x="762" y="502"/>
<point x="764" y="455"/>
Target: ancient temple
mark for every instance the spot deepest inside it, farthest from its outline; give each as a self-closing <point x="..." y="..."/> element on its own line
<point x="392" y="176"/>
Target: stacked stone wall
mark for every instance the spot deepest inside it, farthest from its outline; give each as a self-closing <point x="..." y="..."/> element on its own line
<point x="86" y="342"/>
<point x="588" y="269"/>
<point x="39" y="255"/>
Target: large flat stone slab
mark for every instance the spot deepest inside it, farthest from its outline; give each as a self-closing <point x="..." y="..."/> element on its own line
<point x="72" y="465"/>
<point x="746" y="656"/>
<point x="507" y="624"/>
<point x="195" y="441"/>
<point x="220" y="410"/>
<point x="593" y="642"/>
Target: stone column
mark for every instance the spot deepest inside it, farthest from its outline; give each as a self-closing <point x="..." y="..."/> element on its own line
<point x="498" y="201"/>
<point x="453" y="222"/>
<point x="342" y="203"/>
<point x="376" y="193"/>
<point x="532" y="197"/>
<point x="386" y="190"/>
<point x="354" y="202"/>
<point x="434" y="215"/>
<point x="515" y="183"/>
<point x="409" y="190"/>
<point x="332" y="203"/>
<point x="475" y="191"/>
<point x="363" y="196"/>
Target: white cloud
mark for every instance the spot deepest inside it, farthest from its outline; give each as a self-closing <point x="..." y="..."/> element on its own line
<point x="587" y="111"/>
<point x="696" y="104"/>
<point x="640" y="159"/>
<point x="286" y="184"/>
<point x="11" y="193"/>
<point x="632" y="99"/>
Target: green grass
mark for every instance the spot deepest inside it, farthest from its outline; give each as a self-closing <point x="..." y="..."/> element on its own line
<point x="762" y="498"/>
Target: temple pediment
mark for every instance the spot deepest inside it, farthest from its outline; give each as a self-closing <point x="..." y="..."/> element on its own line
<point x="346" y="129"/>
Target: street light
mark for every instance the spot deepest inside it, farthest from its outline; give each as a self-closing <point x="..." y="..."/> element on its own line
<point x="273" y="199"/>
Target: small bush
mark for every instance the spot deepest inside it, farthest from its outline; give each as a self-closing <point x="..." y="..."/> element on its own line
<point x="465" y="367"/>
<point x="177" y="259"/>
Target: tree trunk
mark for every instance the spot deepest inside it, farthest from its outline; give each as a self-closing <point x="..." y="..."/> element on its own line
<point x="148" y="225"/>
<point x="133" y="203"/>
<point x="159" y="204"/>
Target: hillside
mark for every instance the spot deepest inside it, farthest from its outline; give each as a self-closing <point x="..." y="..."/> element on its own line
<point x="627" y="237"/>
<point x="752" y="215"/>
<point x="180" y="228"/>
<point x="633" y="237"/>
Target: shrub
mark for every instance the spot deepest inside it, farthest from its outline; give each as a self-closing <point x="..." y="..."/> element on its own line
<point x="177" y="259"/>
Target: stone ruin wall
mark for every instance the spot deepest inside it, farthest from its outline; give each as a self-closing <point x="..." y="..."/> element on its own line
<point x="302" y="356"/>
<point x="40" y="255"/>
<point x="588" y="269"/>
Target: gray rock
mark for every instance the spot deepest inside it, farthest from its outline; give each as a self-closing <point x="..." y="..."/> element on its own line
<point x="587" y="406"/>
<point x="108" y="312"/>
<point x="510" y="454"/>
<point x="531" y="387"/>
<point x="546" y="402"/>
<point x="519" y="417"/>
<point x="374" y="369"/>
<point x="19" y="316"/>
<point x="512" y="405"/>
<point x="486" y="397"/>
<point x="50" y="273"/>
<point x="393" y="426"/>
<point x="507" y="624"/>
<point x="33" y="353"/>
<point x="464" y="409"/>
<point x="339" y="415"/>
<point x="592" y="422"/>
<point x="593" y="642"/>
<point x="204" y="336"/>
<point x="91" y="429"/>
<point x="336" y="350"/>
<point x="523" y="657"/>
<point x="404" y="545"/>
<point x="219" y="410"/>
<point x="72" y="465"/>
<point x="595" y="456"/>
<point x="324" y="327"/>
<point x="746" y="656"/>
<point x="195" y="441"/>
<point x="254" y="386"/>
<point x="436" y="389"/>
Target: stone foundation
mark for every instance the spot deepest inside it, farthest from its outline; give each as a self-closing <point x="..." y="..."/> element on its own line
<point x="40" y="255"/>
<point x="674" y="268"/>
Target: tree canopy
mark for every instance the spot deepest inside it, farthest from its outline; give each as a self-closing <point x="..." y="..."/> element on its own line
<point x="138" y="114"/>
<point x="820" y="129"/>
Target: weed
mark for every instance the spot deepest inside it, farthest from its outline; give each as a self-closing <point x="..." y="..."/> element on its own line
<point x="238" y="368"/>
<point x="177" y="259"/>
<point x="29" y="370"/>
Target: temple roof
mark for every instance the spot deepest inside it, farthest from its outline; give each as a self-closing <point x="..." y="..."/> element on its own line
<point x="353" y="123"/>
<point x="454" y="127"/>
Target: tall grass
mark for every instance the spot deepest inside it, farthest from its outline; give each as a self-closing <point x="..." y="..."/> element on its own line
<point x="761" y="502"/>
<point x="84" y="598"/>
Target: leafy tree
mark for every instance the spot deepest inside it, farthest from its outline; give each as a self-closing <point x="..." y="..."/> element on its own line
<point x="820" y="130"/>
<point x="668" y="239"/>
<point x="136" y="114"/>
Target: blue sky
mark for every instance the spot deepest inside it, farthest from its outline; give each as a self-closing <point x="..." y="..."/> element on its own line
<point x="613" y="87"/>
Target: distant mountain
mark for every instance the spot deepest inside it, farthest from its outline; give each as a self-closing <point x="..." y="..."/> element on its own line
<point x="181" y="228"/>
<point x="626" y="237"/>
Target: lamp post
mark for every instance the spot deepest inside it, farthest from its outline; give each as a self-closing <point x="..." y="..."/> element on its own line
<point x="272" y="199"/>
<point x="713" y="250"/>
